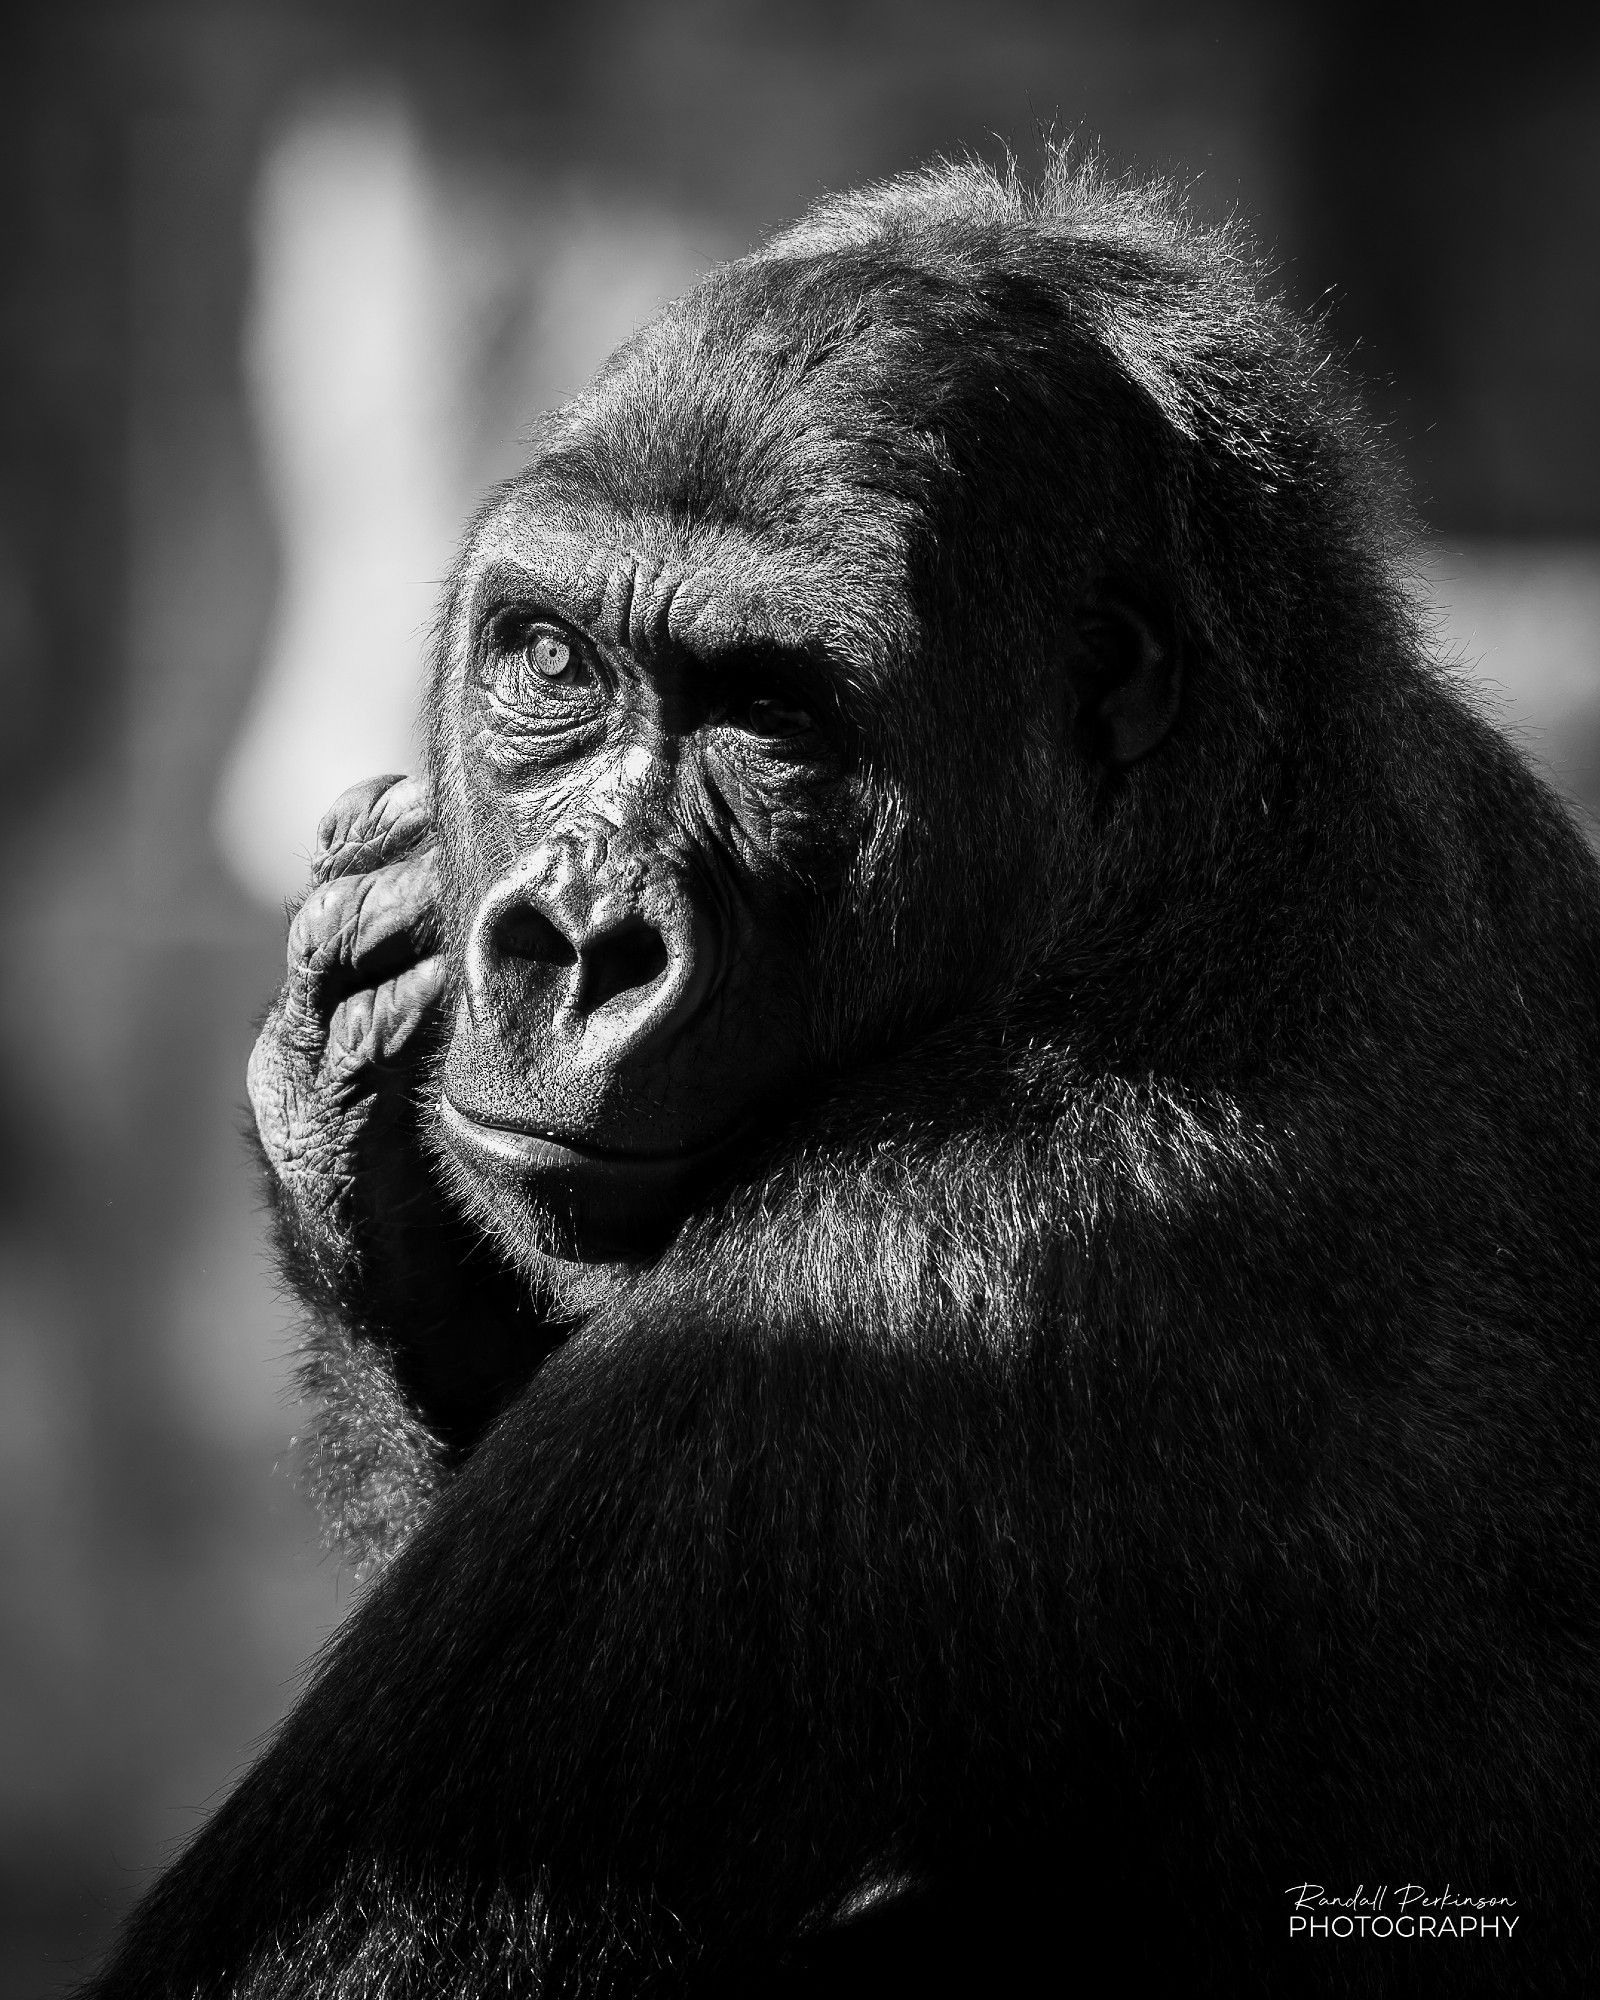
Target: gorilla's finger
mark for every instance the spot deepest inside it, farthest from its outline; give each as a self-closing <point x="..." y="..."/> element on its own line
<point x="377" y="1024"/>
<point x="371" y="824"/>
<point x="357" y="929"/>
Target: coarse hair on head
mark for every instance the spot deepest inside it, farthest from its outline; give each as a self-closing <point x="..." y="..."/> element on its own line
<point x="1272" y="475"/>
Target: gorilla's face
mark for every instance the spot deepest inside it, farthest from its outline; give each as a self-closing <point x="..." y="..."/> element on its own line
<point x="659" y="788"/>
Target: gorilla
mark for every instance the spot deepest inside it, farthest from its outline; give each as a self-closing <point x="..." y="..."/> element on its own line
<point x="945" y="1177"/>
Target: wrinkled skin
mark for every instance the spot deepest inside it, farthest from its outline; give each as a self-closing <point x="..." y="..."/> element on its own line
<point x="332" y="1073"/>
<point x="655" y="808"/>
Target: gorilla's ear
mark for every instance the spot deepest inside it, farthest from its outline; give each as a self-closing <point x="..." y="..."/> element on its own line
<point x="1126" y="667"/>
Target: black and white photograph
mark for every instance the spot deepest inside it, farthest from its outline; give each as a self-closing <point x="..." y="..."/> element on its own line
<point x="799" y="1000"/>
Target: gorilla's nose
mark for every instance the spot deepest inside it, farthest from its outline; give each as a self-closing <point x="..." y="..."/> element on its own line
<point x="605" y="970"/>
<point x="628" y="956"/>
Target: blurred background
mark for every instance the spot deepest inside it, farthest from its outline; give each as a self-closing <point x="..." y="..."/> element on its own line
<point x="282" y="287"/>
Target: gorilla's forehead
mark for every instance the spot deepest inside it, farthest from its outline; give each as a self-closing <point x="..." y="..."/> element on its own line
<point x="638" y="577"/>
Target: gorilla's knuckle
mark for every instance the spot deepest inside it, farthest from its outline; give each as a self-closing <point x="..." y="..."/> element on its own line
<point x="316" y="924"/>
<point x="354" y="806"/>
<point x="325" y="937"/>
<point x="263" y="1070"/>
<point x="274" y="1096"/>
<point x="374" y="825"/>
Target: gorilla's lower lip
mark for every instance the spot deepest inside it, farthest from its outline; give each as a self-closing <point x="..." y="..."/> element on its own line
<point x="596" y="1205"/>
<point x="529" y="1147"/>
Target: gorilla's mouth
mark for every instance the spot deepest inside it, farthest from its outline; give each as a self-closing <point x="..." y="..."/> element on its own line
<point x="604" y="1201"/>
<point x="537" y="1146"/>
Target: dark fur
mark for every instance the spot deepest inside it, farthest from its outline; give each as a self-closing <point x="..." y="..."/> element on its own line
<point x="1131" y="1444"/>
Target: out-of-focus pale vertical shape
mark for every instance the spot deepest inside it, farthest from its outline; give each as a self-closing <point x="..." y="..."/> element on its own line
<point x="348" y="362"/>
<point x="1523" y="621"/>
<point x="406" y="325"/>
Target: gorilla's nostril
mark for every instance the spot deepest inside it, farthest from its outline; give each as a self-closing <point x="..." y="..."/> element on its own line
<point x="619" y="961"/>
<point x="522" y="933"/>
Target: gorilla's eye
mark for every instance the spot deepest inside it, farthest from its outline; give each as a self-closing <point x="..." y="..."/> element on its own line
<point x="527" y="658"/>
<point x="757" y="694"/>
<point x="773" y="715"/>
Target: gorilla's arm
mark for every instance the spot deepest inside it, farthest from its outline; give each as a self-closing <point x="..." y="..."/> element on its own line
<point x="719" y="1611"/>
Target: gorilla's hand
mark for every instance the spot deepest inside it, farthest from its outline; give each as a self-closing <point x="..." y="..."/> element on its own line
<point x="333" y="1072"/>
<point x="398" y="1279"/>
